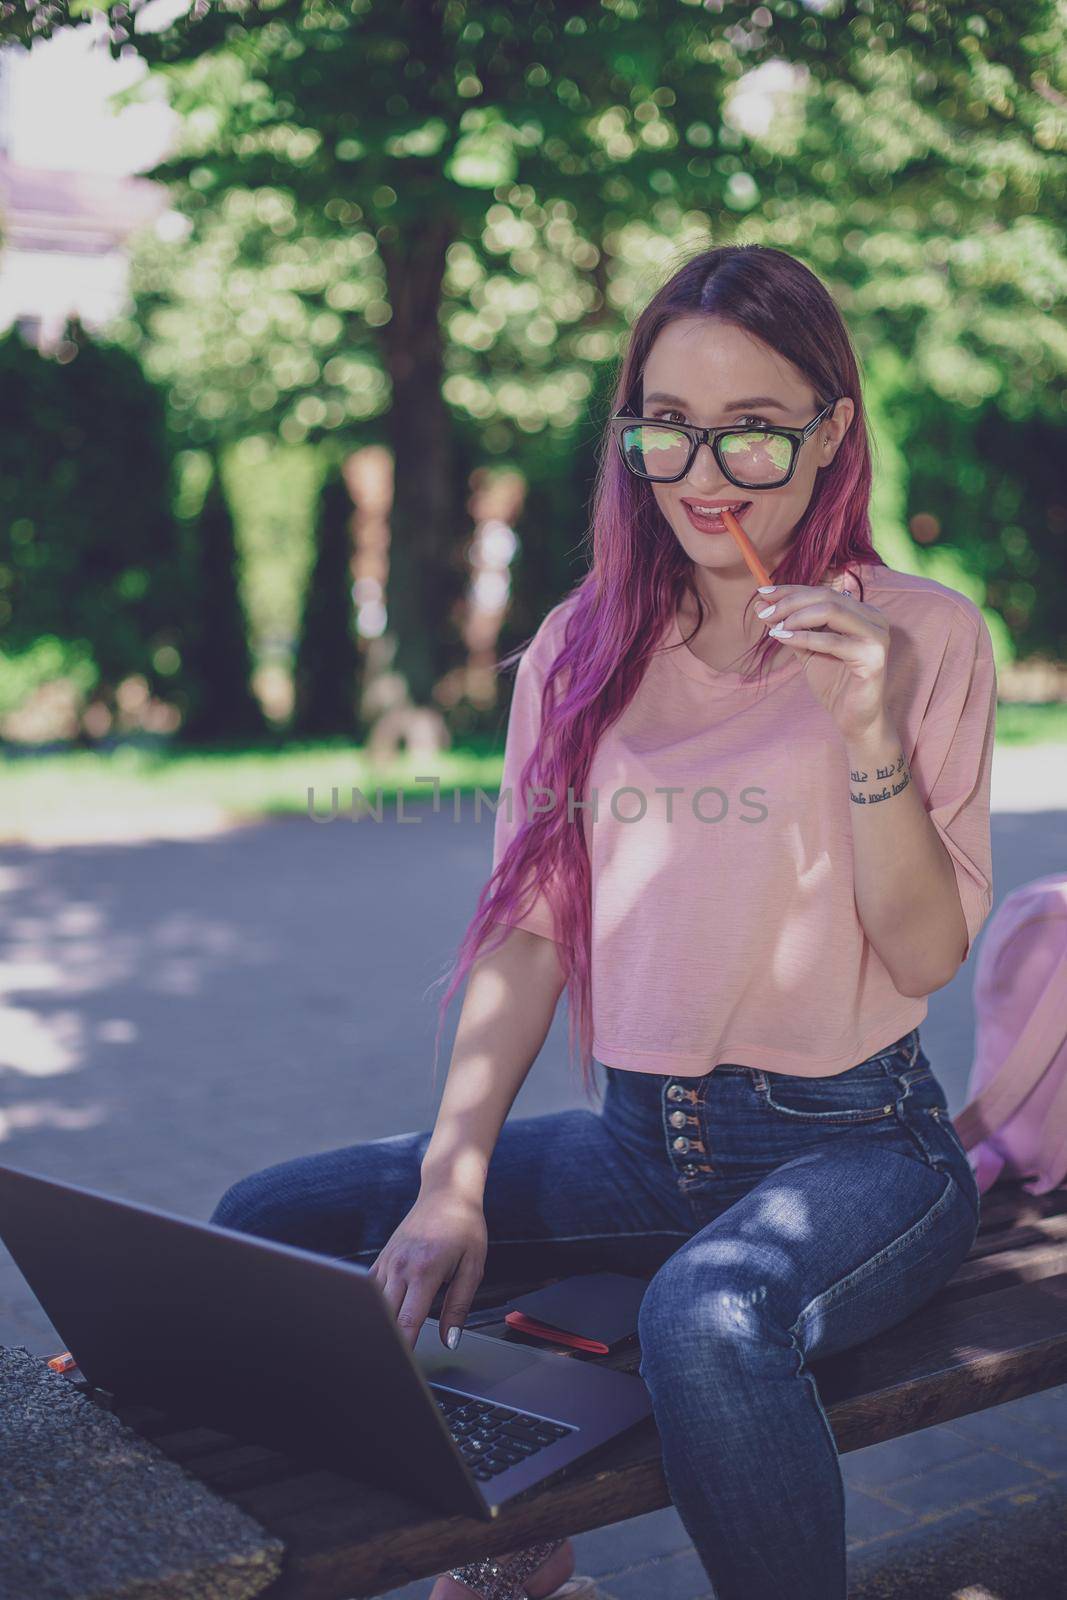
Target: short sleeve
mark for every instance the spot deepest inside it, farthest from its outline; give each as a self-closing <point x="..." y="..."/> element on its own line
<point x="953" y="761"/>
<point x="524" y="721"/>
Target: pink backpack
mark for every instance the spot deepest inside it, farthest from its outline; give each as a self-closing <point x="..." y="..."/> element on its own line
<point x="1015" y="1120"/>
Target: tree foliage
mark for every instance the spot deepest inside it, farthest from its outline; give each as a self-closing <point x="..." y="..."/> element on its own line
<point x="409" y="214"/>
<point x="89" y="548"/>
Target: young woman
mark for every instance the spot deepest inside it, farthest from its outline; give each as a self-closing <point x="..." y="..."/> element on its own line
<point x="774" y="869"/>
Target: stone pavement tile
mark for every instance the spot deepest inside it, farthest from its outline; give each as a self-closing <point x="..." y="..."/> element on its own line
<point x="1034" y="1447"/>
<point x="1012" y="1548"/>
<point x="879" y="1464"/>
<point x="867" y="1517"/>
<point x="677" y="1577"/>
<point x="26" y="1324"/>
<point x="1054" y="1396"/>
<point x="1047" y="1410"/>
<point x="977" y="1477"/>
<point x="412" y="1591"/>
<point x="612" y="1549"/>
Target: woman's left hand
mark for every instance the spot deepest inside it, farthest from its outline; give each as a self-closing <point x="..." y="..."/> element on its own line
<point x="844" y="645"/>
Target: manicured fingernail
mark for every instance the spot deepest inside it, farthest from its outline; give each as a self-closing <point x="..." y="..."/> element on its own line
<point x="780" y="632"/>
<point x="766" y="612"/>
<point x="452" y="1337"/>
<point x="767" y="588"/>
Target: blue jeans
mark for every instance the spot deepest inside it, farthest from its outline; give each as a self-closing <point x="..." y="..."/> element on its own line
<point x="778" y="1218"/>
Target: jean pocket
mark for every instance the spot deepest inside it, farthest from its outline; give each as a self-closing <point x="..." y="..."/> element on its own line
<point x="932" y="1131"/>
<point x="917" y="1087"/>
<point x="922" y="1110"/>
<point x="863" y="1093"/>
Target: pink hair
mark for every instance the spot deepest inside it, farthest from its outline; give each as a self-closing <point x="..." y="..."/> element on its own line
<point x="616" y="615"/>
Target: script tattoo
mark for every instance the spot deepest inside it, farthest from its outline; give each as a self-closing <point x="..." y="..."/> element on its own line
<point x="883" y="776"/>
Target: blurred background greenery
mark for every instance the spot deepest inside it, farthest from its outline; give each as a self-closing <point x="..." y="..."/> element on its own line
<point x="280" y="515"/>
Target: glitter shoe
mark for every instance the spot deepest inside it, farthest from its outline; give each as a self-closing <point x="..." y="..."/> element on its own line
<point x="500" y="1577"/>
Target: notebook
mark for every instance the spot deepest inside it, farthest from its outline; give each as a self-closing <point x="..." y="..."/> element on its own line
<point x="593" y="1311"/>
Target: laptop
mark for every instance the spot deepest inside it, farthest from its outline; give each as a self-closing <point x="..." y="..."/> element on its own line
<point x="301" y="1352"/>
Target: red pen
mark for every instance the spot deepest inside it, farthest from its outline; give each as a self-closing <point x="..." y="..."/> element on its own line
<point x="525" y="1324"/>
<point x="747" y="549"/>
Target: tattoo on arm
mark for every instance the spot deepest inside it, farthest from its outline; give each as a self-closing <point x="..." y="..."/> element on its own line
<point x="885" y="783"/>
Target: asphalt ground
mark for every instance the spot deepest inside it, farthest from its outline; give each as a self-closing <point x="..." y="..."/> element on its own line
<point x="178" y="1011"/>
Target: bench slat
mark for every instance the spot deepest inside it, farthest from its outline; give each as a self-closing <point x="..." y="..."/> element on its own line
<point x="1036" y="1232"/>
<point x="984" y="1274"/>
<point x="1007" y="1205"/>
<point x="947" y="1361"/>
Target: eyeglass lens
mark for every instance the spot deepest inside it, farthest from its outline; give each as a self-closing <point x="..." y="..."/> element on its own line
<point x="754" y="457"/>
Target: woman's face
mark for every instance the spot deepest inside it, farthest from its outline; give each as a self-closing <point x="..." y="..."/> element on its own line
<point x="714" y="374"/>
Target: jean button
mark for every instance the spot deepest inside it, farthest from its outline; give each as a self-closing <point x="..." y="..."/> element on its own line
<point x="678" y="1119"/>
<point x="681" y="1145"/>
<point x="675" y="1092"/>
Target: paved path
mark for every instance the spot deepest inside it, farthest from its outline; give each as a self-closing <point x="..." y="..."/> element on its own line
<point x="176" y="1013"/>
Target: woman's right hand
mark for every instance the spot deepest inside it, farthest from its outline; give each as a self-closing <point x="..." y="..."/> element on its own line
<point x="442" y="1239"/>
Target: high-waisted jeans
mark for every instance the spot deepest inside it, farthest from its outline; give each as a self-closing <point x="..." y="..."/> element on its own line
<point x="778" y="1218"/>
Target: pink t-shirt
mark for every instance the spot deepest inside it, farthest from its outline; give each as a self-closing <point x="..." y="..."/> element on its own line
<point x="724" y="922"/>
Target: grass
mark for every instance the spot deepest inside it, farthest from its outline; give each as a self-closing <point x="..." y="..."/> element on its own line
<point x="143" y="780"/>
<point x="134" y="779"/>
<point x="1032" y="724"/>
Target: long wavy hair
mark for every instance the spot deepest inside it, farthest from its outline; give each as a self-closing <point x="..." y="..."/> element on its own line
<point x="616" y="615"/>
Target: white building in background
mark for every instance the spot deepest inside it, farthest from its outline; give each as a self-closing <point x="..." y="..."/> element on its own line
<point x="69" y="194"/>
<point x="63" y="246"/>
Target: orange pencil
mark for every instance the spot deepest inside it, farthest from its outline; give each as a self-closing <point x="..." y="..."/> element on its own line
<point x="747" y="549"/>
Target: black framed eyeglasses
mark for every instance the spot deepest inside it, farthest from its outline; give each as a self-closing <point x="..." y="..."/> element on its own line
<point x="750" y="457"/>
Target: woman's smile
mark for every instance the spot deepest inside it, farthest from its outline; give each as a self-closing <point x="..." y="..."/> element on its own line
<point x="711" y="522"/>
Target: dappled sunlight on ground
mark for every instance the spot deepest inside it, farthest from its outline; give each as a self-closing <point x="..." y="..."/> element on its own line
<point x="183" y="821"/>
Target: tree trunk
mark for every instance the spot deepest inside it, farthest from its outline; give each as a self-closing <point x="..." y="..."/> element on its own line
<point x="328" y="669"/>
<point x="221" y="706"/>
<point x="427" y="568"/>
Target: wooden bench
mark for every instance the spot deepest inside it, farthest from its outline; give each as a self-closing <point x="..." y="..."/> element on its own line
<point x="997" y="1331"/>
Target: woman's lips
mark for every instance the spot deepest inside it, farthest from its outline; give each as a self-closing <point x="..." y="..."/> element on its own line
<point x="713" y="524"/>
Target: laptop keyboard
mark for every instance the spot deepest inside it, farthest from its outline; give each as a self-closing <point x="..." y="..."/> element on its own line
<point x="492" y="1438"/>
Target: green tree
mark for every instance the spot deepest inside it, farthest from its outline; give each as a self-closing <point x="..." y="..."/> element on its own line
<point x="514" y="178"/>
<point x="89" y="547"/>
<point x="328" y="666"/>
<point x="478" y="133"/>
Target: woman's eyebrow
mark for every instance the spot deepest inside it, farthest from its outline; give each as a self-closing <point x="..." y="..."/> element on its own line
<point x="731" y="405"/>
